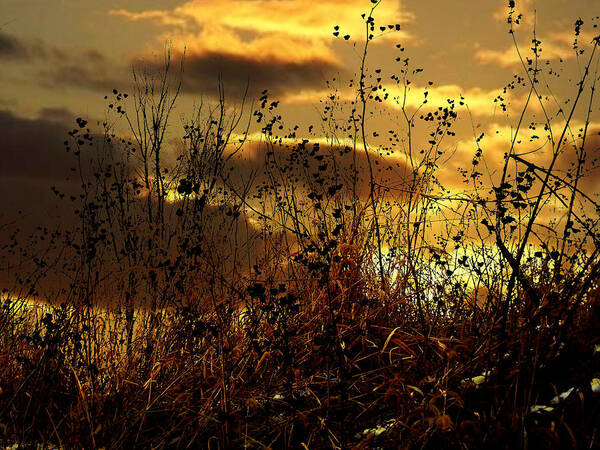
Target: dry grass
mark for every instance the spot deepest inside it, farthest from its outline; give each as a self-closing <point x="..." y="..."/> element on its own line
<point x="329" y="365"/>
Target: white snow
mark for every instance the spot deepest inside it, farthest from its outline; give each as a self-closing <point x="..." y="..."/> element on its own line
<point x="477" y="380"/>
<point x="559" y="398"/>
<point x="540" y="408"/>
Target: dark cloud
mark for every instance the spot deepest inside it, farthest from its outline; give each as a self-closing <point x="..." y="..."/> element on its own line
<point x="33" y="148"/>
<point x="35" y="163"/>
<point x="15" y="49"/>
<point x="203" y="70"/>
<point x="85" y="74"/>
<point x="566" y="164"/>
<point x="91" y="69"/>
<point x="306" y="167"/>
<point x="33" y="160"/>
<point x="88" y="69"/>
<point x="35" y="167"/>
<point x="65" y="68"/>
<point x="12" y="48"/>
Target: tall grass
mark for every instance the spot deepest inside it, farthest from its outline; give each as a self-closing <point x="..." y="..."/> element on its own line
<point x="334" y="295"/>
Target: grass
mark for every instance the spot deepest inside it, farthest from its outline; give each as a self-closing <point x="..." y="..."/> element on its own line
<point x="283" y="374"/>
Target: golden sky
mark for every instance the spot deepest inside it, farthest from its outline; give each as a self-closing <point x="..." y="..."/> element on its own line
<point x="65" y="53"/>
<point x="59" y="58"/>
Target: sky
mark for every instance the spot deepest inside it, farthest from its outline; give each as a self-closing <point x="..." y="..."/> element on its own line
<point x="60" y="58"/>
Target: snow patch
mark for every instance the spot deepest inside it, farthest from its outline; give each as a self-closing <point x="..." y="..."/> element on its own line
<point x="477" y="380"/>
<point x="379" y="428"/>
<point x="562" y="397"/>
<point x="535" y="409"/>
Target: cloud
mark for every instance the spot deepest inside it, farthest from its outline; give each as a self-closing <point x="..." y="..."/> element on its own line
<point x="534" y="147"/>
<point x="273" y="18"/>
<point x="558" y="45"/>
<point x="567" y="163"/>
<point x="524" y="10"/>
<point x="11" y="48"/>
<point x="238" y="68"/>
<point x="88" y="69"/>
<point x="203" y="70"/>
<point x="279" y="45"/>
<point x="509" y="57"/>
<point x="34" y="160"/>
<point x="481" y="102"/>
<point x="87" y="74"/>
<point x="28" y="50"/>
<point x="64" y="67"/>
<point x="315" y="166"/>
<point x="33" y="148"/>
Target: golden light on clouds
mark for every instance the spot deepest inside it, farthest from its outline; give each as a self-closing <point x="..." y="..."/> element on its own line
<point x="554" y="48"/>
<point x="524" y="11"/>
<point x="286" y="30"/>
<point x="216" y="38"/>
<point x="480" y="102"/>
<point x="291" y="18"/>
<point x="289" y="48"/>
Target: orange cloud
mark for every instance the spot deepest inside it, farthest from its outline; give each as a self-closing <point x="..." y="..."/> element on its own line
<point x="533" y="145"/>
<point x="568" y="38"/>
<point x="479" y="101"/>
<point x="552" y="49"/>
<point x="523" y="8"/>
<point x="557" y="45"/>
<point x="285" y="30"/>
